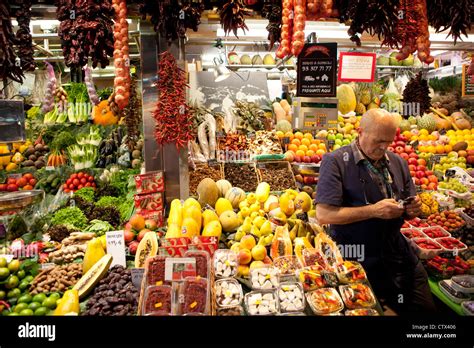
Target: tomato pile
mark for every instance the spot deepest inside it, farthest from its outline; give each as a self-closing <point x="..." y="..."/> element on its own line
<point x="26" y="182"/>
<point x="77" y="181"/>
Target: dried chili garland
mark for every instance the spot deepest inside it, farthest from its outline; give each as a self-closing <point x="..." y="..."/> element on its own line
<point x="23" y="35"/>
<point x="174" y="121"/>
<point x="132" y="115"/>
<point x="233" y="16"/>
<point x="456" y="16"/>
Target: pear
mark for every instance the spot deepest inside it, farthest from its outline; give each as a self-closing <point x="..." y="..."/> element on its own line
<point x="245" y="60"/>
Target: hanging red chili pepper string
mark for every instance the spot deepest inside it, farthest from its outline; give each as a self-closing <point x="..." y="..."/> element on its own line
<point x="174" y="123"/>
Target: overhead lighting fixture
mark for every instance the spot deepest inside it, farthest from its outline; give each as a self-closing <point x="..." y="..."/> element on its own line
<point x="220" y="70"/>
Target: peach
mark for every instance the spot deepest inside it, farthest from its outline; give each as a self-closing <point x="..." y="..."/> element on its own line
<point x="256" y="264"/>
<point x="243" y="271"/>
<point x="247" y="242"/>
<point x="259" y="252"/>
<point x="244" y="257"/>
<point x="151" y="224"/>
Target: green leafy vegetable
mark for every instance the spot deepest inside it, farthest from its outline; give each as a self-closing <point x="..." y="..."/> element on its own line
<point x="62" y="141"/>
<point x="71" y="217"/>
<point x="126" y="209"/>
<point x="109" y="201"/>
<point x="33" y="112"/>
<point x="123" y="180"/>
<point x="86" y="193"/>
<point x="99" y="227"/>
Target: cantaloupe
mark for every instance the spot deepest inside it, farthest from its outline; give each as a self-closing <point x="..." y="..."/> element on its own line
<point x="235" y="195"/>
<point x="346" y="99"/>
<point x="223" y="186"/>
<point x="208" y="192"/>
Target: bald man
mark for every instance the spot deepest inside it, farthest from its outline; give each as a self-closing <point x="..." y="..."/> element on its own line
<point x="359" y="195"/>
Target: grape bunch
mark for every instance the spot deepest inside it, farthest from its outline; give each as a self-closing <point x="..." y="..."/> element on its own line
<point x="454" y="185"/>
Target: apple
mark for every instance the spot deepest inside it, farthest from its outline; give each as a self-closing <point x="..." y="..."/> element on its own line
<point x="470" y="159"/>
<point x="315" y="158"/>
<point x="408" y="149"/>
<point x="420" y="174"/>
<point x="151" y="224"/>
<point x="417" y="181"/>
<point x="128" y="226"/>
<point x="412" y="161"/>
<point x="132" y="247"/>
<point x="412" y="167"/>
<point x="399" y="149"/>
<point x="307" y="159"/>
<point x="391" y="148"/>
<point x="128" y="236"/>
<point x="429" y="172"/>
<point x="308" y="180"/>
<point x="404" y="155"/>
<point x="421" y="168"/>
<point x="297" y="158"/>
<point x="412" y="173"/>
<point x="401" y="143"/>
<point x="142" y="234"/>
<point x="12" y="187"/>
<point x="414" y="155"/>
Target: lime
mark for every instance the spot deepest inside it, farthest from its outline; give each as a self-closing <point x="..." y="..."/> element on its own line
<point x="14" y="293"/>
<point x="27" y="312"/>
<point x="19" y="307"/>
<point x="41" y="311"/>
<point x="3" y="262"/>
<point x="3" y="294"/>
<point x="21" y="274"/>
<point x="13" y="314"/>
<point x="14" y="266"/>
<point x="34" y="306"/>
<point x="55" y="295"/>
<point x="23" y="285"/>
<point x="39" y="298"/>
<point x="29" y="278"/>
<point x="25" y="299"/>
<point x="12" y="282"/>
<point x="4" y="273"/>
<point x="50" y="302"/>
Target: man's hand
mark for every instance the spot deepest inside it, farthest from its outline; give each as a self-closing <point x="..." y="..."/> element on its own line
<point x="414" y="208"/>
<point x="387" y="209"/>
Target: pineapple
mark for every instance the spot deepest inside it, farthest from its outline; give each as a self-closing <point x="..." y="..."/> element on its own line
<point x="365" y="97"/>
<point x="360" y="109"/>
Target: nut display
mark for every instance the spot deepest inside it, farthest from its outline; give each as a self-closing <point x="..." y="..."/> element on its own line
<point x="157" y="300"/>
<point x="261" y="303"/>
<point x="291" y="297"/>
<point x="265" y="143"/>
<point x="228" y="293"/>
<point x="241" y="175"/>
<point x="115" y="295"/>
<point x="278" y="175"/>
<point x="58" y="278"/>
<point x="324" y="301"/>
<point x="225" y="263"/>
<point x="202" y="171"/>
<point x="264" y="278"/>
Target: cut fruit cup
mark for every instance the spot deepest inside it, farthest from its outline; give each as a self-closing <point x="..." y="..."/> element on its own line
<point x="225" y="263"/>
<point x="291" y="297"/>
<point x="422" y="245"/>
<point x="265" y="278"/>
<point x="350" y="272"/>
<point x="413" y="232"/>
<point x="228" y="292"/>
<point x="324" y="301"/>
<point x="357" y="295"/>
<point x="362" y="312"/>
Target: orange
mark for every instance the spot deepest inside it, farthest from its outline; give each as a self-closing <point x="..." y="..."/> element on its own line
<point x="300" y="153"/>
<point x="439" y="148"/>
<point x="320" y="152"/>
<point x="431" y="149"/>
<point x="303" y="148"/>
<point x="289" y="135"/>
<point x="293" y="147"/>
<point x="322" y="146"/>
<point x="308" y="136"/>
<point x="305" y="142"/>
<point x="280" y="134"/>
<point x="315" y="141"/>
<point x="299" y="135"/>
<point x="448" y="148"/>
<point x="313" y="147"/>
<point x="297" y="142"/>
<point x="310" y="153"/>
<point x="137" y="222"/>
<point x="422" y="148"/>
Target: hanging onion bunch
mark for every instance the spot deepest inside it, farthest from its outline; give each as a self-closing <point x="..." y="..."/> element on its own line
<point x="233" y="16"/>
<point x="23" y="36"/>
<point x="273" y="12"/>
<point x="9" y="67"/>
<point x="456" y="16"/>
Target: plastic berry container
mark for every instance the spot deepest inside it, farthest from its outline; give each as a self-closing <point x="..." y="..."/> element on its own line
<point x="203" y="264"/>
<point x="193" y="296"/>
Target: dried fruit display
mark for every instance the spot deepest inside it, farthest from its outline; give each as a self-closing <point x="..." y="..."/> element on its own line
<point x="86" y="30"/>
<point x="132" y="115"/>
<point x="9" y="68"/>
<point x="232" y="16"/>
<point x="202" y="171"/>
<point x="174" y="122"/>
<point x="243" y="176"/>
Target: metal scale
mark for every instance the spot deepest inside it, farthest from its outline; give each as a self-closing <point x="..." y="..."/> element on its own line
<point x="314" y="114"/>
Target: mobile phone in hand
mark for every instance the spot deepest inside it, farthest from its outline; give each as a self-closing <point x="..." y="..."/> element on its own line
<point x="408" y="200"/>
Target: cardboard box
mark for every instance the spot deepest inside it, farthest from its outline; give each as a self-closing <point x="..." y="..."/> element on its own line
<point x="150" y="182"/>
<point x="208" y="247"/>
<point x="181" y="241"/>
<point x="149" y="202"/>
<point x="173" y="251"/>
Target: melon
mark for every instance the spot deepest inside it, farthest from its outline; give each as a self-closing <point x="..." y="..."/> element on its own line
<point x="393" y="59"/>
<point x="193" y="213"/>
<point x="283" y="126"/>
<point x="235" y="195"/>
<point x="208" y="192"/>
<point x="346" y="99"/>
<point x="212" y="229"/>
<point x="148" y="247"/>
<point x="190" y="228"/>
<point x="223" y="205"/>
<point x="427" y="122"/>
<point x="90" y="279"/>
<point x="229" y="221"/>
<point x="405" y="126"/>
<point x="262" y="192"/>
<point x="223" y="186"/>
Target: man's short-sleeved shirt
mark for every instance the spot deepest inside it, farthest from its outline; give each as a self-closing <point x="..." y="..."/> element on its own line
<point x="345" y="181"/>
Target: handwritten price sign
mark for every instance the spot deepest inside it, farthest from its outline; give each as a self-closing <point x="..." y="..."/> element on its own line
<point x="116" y="247"/>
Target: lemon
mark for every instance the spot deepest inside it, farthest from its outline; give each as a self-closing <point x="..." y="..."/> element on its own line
<point x="245" y="211"/>
<point x="251" y="198"/>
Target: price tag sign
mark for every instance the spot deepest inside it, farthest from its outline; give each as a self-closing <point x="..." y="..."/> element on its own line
<point x="137" y="276"/>
<point x="116" y="247"/>
<point x="177" y="269"/>
<point x="357" y="67"/>
<point x="317" y="68"/>
<point x="467" y="83"/>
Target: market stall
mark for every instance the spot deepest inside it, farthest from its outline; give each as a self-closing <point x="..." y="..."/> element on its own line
<point x="162" y="158"/>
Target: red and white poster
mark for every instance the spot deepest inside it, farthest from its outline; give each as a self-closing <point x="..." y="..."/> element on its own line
<point x="357" y="67"/>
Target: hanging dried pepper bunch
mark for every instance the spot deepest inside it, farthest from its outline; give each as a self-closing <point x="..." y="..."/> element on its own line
<point x="192" y="10"/>
<point x="132" y="115"/>
<point x="233" y="16"/>
<point x="417" y="91"/>
<point x="456" y="16"/>
<point x="174" y="121"/>
<point x="412" y="30"/>
<point x="23" y="36"/>
<point x="9" y="67"/>
<point x="86" y="30"/>
<point x="273" y="12"/>
<point x="378" y="18"/>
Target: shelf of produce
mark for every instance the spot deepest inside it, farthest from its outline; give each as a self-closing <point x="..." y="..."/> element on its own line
<point x="435" y="290"/>
<point x="396" y="67"/>
<point x="268" y="67"/>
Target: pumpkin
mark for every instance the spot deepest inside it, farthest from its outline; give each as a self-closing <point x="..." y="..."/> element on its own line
<point x="103" y="115"/>
<point x="235" y="195"/>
